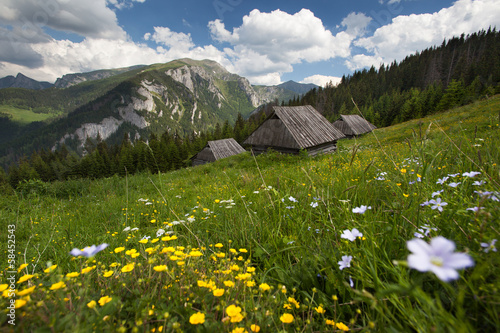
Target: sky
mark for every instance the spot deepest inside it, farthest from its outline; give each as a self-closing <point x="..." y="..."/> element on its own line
<point x="268" y="42"/>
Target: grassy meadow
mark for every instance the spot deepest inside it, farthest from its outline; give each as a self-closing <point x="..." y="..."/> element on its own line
<point x="251" y="244"/>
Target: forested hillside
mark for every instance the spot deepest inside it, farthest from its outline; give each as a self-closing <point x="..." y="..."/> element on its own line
<point x="455" y="73"/>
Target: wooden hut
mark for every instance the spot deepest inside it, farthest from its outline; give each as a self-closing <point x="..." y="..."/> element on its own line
<point x="353" y="125"/>
<point x="288" y="129"/>
<point x="216" y="150"/>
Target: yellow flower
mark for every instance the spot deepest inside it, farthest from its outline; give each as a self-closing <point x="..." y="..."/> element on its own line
<point x="153" y="221"/>
<point x="23" y="266"/>
<point x="320" y="310"/>
<point x="406" y="195"/>
<point x="181" y="263"/>
<point x="128" y="268"/>
<point x="233" y="310"/>
<point x="237" y="318"/>
<point x="229" y="284"/>
<point x="104" y="299"/>
<point x="119" y="249"/>
<point x="403" y="170"/>
<point x="195" y="254"/>
<point x="243" y="276"/>
<point x="250" y="283"/>
<point x="108" y="273"/>
<point x="168" y="249"/>
<point x="19" y="303"/>
<point x="218" y="245"/>
<point x="235" y="268"/>
<point x="150" y="250"/>
<point x="254" y="328"/>
<point x="239" y="330"/>
<point x="114" y="264"/>
<point x="143" y="241"/>
<point x="26" y="291"/>
<point x="286" y="318"/>
<point x="50" y="269"/>
<point x="58" y="285"/>
<point x="3" y="287"/>
<point x="342" y="327"/>
<point x="25" y="278"/>
<point x="243" y="250"/>
<point x="202" y="283"/>
<point x="155" y="240"/>
<point x="130" y="252"/>
<point x="173" y="258"/>
<point x="91" y="304"/>
<point x="220" y="255"/>
<point x="218" y="292"/>
<point x="216" y="200"/>
<point x="329" y="322"/>
<point x="72" y="274"/>
<point x="87" y="269"/>
<point x="197" y="318"/>
<point x="160" y="268"/>
<point x="135" y="255"/>
<point x="264" y="287"/>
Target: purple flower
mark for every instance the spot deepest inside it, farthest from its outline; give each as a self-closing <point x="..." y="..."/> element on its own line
<point x="314" y="204"/>
<point x="438" y="257"/>
<point x="442" y="180"/>
<point x="292" y="199"/>
<point x="487" y="247"/>
<point x="453" y="174"/>
<point x="351" y="235"/>
<point x="475" y="209"/>
<point x="361" y="210"/>
<point x="424" y="231"/>
<point x="479" y="183"/>
<point x="89" y="251"/>
<point x="437" y="193"/>
<point x="437" y="204"/>
<point x="471" y="174"/>
<point x="345" y="262"/>
<point x="426" y="203"/>
<point x="454" y="184"/>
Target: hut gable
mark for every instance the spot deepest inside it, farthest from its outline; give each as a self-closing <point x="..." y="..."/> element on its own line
<point x="353" y="125"/>
<point x="216" y="150"/>
<point x="289" y="129"/>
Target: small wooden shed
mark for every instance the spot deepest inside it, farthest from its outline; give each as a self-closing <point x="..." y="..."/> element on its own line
<point x="216" y="150"/>
<point x="353" y="125"/>
<point x="288" y="129"/>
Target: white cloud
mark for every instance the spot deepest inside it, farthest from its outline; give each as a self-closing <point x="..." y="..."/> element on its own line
<point x="407" y="34"/>
<point x="356" y="23"/>
<point x="362" y="60"/>
<point x="322" y="80"/>
<point x="268" y="44"/>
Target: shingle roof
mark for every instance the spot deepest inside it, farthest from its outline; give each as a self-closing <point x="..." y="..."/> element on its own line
<point x="307" y="127"/>
<point x="353" y="125"/>
<point x="225" y="148"/>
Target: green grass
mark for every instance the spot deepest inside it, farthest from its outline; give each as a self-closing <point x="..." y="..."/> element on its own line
<point x="24" y="116"/>
<point x="274" y="220"/>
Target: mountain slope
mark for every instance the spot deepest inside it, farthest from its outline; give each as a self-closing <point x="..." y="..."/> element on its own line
<point x="69" y="80"/>
<point x="22" y="81"/>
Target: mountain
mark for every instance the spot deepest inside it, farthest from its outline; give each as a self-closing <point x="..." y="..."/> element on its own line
<point x="69" y="80"/>
<point x="22" y="81"/>
<point x="182" y="96"/>
<point x="299" y="88"/>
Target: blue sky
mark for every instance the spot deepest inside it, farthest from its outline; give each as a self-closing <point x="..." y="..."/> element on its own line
<point x="268" y="42"/>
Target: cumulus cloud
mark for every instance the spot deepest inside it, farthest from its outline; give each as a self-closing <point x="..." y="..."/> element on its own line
<point x="272" y="42"/>
<point x="322" y="80"/>
<point x="407" y="34"/>
<point x="356" y="23"/>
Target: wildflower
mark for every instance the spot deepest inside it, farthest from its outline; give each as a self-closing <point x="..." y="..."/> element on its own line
<point x="26" y="291"/>
<point x="314" y="204"/>
<point x="475" y="209"/>
<point x="89" y="251"/>
<point x="442" y="180"/>
<point x="351" y="282"/>
<point x="254" y="328"/>
<point x="345" y="262"/>
<point x="438" y="204"/>
<point x="160" y="232"/>
<point x="437" y="193"/>
<point x="218" y="292"/>
<point x="160" y="268"/>
<point x="454" y="184"/>
<point x="104" y="300"/>
<point x="233" y="310"/>
<point x="91" y="304"/>
<point x="290" y="207"/>
<point x="479" y="183"/>
<point x="250" y="283"/>
<point x="23" y="266"/>
<point x="264" y="287"/>
<point x="437" y="257"/>
<point x="58" y="285"/>
<point x="487" y="247"/>
<point x="229" y="284"/>
<point x="87" y="269"/>
<point x="351" y="235"/>
<point x="453" y="175"/>
<point x="50" y="268"/>
<point x="195" y="254"/>
<point x="320" y="310"/>
<point x="424" y="231"/>
<point x="361" y="210"/>
<point x="134" y="229"/>
<point x="19" y="303"/>
<point x="219" y="245"/>
<point x="292" y="199"/>
<point x="126" y="229"/>
<point x="286" y="318"/>
<point x="153" y="221"/>
<point x="471" y="174"/>
<point x="191" y="219"/>
<point x="128" y="268"/>
<point x="426" y="203"/>
<point x="72" y="274"/>
<point x="108" y="273"/>
<point x="25" y="278"/>
<point x="342" y="327"/>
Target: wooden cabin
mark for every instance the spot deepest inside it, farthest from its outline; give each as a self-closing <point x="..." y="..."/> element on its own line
<point x="353" y="125"/>
<point x="288" y="129"/>
<point x="216" y="150"/>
